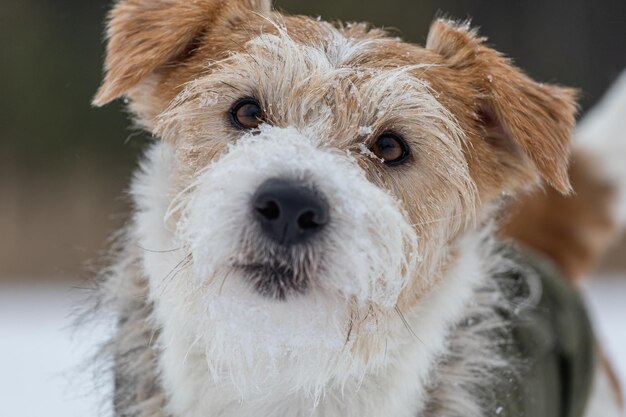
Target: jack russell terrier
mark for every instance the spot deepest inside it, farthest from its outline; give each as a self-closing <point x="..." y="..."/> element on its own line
<point x="320" y="228"/>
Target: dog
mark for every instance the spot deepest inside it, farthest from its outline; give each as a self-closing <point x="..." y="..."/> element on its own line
<point x="315" y="230"/>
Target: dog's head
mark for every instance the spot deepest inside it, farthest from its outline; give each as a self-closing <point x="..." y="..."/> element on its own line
<point x="317" y="175"/>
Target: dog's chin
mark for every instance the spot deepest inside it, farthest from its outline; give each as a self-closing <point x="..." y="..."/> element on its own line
<point x="261" y="330"/>
<point x="268" y="325"/>
<point x="274" y="280"/>
<point x="275" y="272"/>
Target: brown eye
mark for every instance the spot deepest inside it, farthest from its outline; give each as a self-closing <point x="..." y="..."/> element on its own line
<point x="247" y="114"/>
<point x="391" y="148"/>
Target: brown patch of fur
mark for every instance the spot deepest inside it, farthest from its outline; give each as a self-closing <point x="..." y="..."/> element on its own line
<point x="572" y="230"/>
<point x="144" y="36"/>
<point x="517" y="129"/>
<point x="507" y="107"/>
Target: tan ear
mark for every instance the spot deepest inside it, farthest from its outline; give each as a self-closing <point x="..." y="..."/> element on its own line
<point x="144" y="35"/>
<point x="518" y="113"/>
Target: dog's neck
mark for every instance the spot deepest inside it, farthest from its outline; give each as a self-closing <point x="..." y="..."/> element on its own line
<point x="403" y="388"/>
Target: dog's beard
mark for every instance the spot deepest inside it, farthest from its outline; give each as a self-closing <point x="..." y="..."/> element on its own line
<point x="277" y="272"/>
<point x="297" y="317"/>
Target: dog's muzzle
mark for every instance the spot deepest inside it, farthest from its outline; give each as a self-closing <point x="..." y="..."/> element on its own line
<point x="288" y="212"/>
<point x="281" y="216"/>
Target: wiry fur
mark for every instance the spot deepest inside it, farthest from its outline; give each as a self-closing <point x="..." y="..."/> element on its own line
<point x="134" y="360"/>
<point x="399" y="304"/>
<point x="468" y="360"/>
<point x="451" y="386"/>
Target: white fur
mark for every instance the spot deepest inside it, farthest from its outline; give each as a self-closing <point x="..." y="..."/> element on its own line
<point x="230" y="351"/>
<point x="602" y="134"/>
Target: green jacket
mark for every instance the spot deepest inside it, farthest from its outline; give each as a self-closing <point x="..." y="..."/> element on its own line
<point x="553" y="339"/>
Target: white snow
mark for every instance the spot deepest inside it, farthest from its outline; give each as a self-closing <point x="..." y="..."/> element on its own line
<point x="207" y="99"/>
<point x="365" y="130"/>
<point x="39" y="350"/>
<point x="40" y="355"/>
<point x="364" y="150"/>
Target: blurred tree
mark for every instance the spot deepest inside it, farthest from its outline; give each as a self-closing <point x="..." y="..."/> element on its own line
<point x="51" y="53"/>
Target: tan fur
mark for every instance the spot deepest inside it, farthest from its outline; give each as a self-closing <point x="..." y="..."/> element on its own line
<point x="573" y="230"/>
<point x="536" y="118"/>
<point x="145" y="36"/>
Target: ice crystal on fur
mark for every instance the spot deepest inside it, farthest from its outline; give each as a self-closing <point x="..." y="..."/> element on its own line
<point x="365" y="130"/>
<point x="364" y="150"/>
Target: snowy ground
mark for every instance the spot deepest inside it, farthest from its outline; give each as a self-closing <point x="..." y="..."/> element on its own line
<point x="41" y="355"/>
<point x="39" y="352"/>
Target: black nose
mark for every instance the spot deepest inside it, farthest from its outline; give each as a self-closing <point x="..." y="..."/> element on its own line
<point x="289" y="212"/>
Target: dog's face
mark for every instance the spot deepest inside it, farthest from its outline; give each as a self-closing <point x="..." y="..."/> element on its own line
<point x="318" y="177"/>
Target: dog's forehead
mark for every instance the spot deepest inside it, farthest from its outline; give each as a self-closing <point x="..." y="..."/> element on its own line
<point x="355" y="46"/>
<point x="341" y="85"/>
<point x="350" y="76"/>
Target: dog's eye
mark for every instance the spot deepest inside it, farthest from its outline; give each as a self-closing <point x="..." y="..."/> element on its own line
<point x="247" y="114"/>
<point x="391" y="148"/>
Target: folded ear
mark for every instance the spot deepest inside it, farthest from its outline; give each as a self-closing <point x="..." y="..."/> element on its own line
<point x="517" y="114"/>
<point x="144" y="35"/>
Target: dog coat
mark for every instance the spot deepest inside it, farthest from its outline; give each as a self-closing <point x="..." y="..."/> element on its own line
<point x="552" y="340"/>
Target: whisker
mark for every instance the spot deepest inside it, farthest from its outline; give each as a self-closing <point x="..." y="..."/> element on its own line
<point x="406" y="324"/>
<point x="230" y="85"/>
<point x="153" y="336"/>
<point x="224" y="282"/>
<point x="191" y="346"/>
<point x="349" y="332"/>
<point x="158" y="251"/>
<point x="180" y="266"/>
<point x="442" y="219"/>
<point x="385" y="353"/>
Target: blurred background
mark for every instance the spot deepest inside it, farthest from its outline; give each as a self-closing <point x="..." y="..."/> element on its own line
<point x="64" y="165"/>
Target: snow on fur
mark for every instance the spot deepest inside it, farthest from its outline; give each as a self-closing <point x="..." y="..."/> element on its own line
<point x="361" y="262"/>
